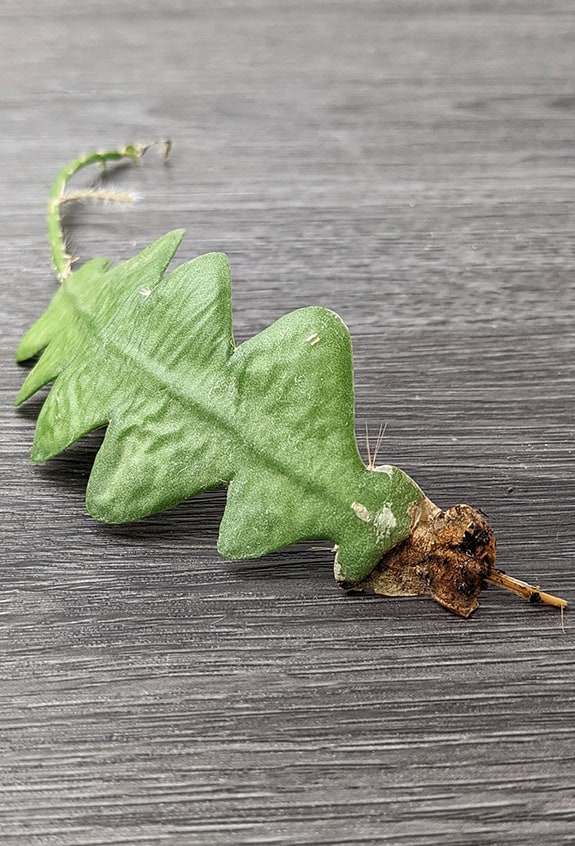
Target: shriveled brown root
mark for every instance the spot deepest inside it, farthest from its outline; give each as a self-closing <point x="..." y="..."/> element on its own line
<point x="449" y="556"/>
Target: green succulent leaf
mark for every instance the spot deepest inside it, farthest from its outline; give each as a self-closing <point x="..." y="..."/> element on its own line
<point x="152" y="357"/>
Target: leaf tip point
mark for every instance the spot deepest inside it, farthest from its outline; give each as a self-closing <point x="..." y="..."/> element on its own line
<point x="38" y="457"/>
<point x="178" y="234"/>
<point x="21" y="396"/>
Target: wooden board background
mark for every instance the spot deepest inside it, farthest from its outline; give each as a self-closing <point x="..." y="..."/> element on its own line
<point x="412" y="166"/>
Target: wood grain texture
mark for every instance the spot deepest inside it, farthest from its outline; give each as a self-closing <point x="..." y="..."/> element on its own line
<point x="411" y="166"/>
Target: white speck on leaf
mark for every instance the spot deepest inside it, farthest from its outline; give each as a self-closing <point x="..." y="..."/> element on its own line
<point x="384" y="522"/>
<point x="361" y="512"/>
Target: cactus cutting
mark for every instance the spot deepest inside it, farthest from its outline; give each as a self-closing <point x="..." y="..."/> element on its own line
<point x="151" y="356"/>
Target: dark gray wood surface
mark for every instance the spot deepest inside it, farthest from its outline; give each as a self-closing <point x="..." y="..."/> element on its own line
<point x="412" y="166"/>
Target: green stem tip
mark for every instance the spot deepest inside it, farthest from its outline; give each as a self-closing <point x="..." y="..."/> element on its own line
<point x="61" y="259"/>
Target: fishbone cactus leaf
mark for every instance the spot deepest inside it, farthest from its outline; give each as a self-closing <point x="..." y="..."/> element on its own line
<point x="151" y="357"/>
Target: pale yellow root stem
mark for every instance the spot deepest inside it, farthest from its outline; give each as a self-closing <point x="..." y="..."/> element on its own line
<point x="527" y="591"/>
